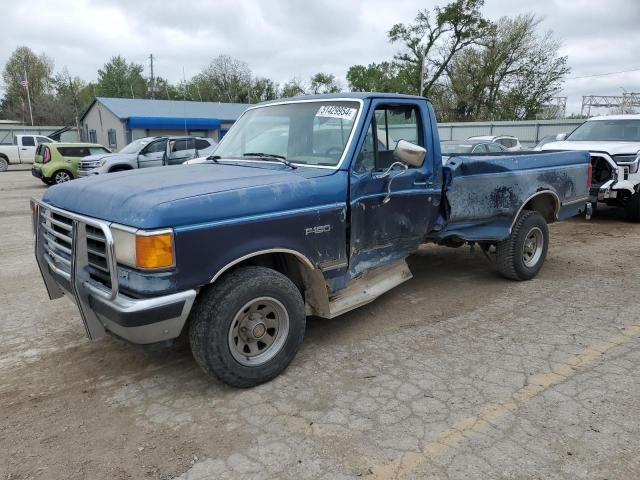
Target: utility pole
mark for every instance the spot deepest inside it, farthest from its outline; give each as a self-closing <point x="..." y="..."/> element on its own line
<point x="153" y="83"/>
<point x="423" y="67"/>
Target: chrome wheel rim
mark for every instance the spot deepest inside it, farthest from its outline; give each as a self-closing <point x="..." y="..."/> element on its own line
<point x="62" y="177"/>
<point x="533" y="247"/>
<point x="258" y="331"/>
<point x="3" y="165"/>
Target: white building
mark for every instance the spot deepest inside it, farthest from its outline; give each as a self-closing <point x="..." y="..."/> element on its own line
<point x="115" y="122"/>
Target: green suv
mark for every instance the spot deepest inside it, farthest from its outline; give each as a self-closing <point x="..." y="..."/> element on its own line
<point x="58" y="162"/>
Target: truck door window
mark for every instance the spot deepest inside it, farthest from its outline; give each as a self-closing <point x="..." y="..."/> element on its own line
<point x="389" y="125"/>
<point x="43" y="140"/>
<point x="181" y="145"/>
<point x="28" y="142"/>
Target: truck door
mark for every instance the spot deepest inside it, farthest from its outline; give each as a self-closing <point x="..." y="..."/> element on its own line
<point x="26" y="148"/>
<point x="152" y="155"/>
<point x="391" y="210"/>
<point x="180" y="150"/>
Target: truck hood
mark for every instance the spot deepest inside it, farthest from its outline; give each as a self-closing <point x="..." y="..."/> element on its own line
<point x="195" y="194"/>
<point x="612" y="148"/>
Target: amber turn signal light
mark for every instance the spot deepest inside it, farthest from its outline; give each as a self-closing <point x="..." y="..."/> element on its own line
<point x="154" y="251"/>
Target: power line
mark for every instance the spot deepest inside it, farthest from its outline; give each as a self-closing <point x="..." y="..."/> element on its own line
<point x="604" y="74"/>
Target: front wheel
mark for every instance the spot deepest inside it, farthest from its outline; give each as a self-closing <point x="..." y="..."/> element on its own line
<point x="521" y="256"/>
<point x="4" y="164"/>
<point x="247" y="328"/>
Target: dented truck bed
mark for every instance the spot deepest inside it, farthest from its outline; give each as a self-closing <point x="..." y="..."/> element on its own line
<point x="483" y="195"/>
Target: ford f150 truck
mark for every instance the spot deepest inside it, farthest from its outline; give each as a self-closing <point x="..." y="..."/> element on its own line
<point x="23" y="150"/>
<point x="614" y="144"/>
<point x="309" y="206"/>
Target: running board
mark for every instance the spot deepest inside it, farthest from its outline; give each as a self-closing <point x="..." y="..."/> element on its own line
<point x="368" y="287"/>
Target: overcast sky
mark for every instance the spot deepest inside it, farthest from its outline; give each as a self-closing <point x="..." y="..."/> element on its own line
<point x="287" y="38"/>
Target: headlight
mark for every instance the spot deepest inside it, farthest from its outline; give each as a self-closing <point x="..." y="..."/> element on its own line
<point x="143" y="249"/>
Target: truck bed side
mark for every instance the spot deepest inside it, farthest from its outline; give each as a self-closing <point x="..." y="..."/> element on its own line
<point x="484" y="194"/>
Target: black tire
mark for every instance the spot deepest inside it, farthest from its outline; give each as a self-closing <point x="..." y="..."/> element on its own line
<point x="214" y="317"/>
<point x="61" y="176"/>
<point x="4" y="164"/>
<point x="633" y="208"/>
<point x="512" y="258"/>
<point x="119" y="169"/>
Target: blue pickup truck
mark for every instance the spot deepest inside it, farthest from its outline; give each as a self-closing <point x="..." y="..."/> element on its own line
<point x="309" y="206"/>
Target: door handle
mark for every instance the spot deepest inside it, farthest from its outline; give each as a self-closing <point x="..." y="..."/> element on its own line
<point x="23" y="148"/>
<point x="419" y="183"/>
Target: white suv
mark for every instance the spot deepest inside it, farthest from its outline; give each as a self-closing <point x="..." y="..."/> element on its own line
<point x="614" y="144"/>
<point x="512" y="144"/>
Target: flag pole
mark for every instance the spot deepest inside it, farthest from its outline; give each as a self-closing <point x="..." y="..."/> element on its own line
<point x="28" y="96"/>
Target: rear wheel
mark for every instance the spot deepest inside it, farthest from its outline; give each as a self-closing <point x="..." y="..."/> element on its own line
<point x="4" y="165"/>
<point x="633" y="208"/>
<point x="521" y="256"/>
<point x="61" y="176"/>
<point x="247" y="328"/>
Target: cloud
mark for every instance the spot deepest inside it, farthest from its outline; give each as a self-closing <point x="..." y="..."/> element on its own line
<point x="281" y="39"/>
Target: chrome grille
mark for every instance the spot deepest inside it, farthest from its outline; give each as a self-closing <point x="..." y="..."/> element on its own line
<point x="57" y="233"/>
<point x="97" y="253"/>
<point x="88" y="164"/>
<point x="56" y="236"/>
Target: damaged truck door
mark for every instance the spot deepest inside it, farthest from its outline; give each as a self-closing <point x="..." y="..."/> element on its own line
<point x="310" y="206"/>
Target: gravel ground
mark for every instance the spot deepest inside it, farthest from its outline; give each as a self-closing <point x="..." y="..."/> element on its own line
<point x="457" y="374"/>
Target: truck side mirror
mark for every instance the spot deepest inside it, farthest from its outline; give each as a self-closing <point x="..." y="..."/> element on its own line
<point x="409" y="153"/>
<point x="561" y="136"/>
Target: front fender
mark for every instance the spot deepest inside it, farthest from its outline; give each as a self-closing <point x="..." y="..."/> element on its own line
<point x="316" y="235"/>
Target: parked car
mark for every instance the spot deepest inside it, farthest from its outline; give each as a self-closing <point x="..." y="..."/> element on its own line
<point x="233" y="255"/>
<point x="148" y="152"/>
<point x="548" y="139"/>
<point x="509" y="142"/>
<point x="23" y="150"/>
<point x="58" y="162"/>
<point x="452" y="148"/>
<point x="614" y="144"/>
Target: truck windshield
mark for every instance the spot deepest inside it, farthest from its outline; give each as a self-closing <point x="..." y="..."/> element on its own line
<point x="135" y="146"/>
<point x="607" y="131"/>
<point x="307" y="133"/>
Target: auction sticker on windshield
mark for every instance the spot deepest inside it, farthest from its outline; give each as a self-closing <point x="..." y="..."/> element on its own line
<point x="337" y="111"/>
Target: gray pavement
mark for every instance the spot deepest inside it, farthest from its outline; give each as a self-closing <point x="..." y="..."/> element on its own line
<point x="457" y="374"/>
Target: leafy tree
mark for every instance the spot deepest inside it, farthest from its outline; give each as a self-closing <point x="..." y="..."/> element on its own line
<point x="121" y="79"/>
<point x="323" y="83"/>
<point x="513" y="74"/>
<point x="225" y="79"/>
<point x="71" y="97"/>
<point x="380" y="77"/>
<point x="38" y="69"/>
<point x="293" y="88"/>
<point x="263" y="89"/>
<point x="437" y="37"/>
<point x="165" y="90"/>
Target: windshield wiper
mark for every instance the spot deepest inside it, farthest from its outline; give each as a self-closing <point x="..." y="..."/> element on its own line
<point x="274" y="156"/>
<point x="213" y="157"/>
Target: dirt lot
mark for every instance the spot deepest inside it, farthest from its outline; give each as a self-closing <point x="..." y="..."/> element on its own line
<point x="457" y="374"/>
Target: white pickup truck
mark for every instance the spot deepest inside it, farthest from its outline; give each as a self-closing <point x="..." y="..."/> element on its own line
<point x="23" y="150"/>
<point x="614" y="144"/>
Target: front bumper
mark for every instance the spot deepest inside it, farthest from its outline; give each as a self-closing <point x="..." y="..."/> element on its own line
<point x="105" y="310"/>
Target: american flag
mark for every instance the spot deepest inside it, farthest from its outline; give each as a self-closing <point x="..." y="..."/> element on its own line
<point x="23" y="80"/>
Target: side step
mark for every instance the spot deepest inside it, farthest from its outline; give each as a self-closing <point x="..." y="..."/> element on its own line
<point x="368" y="287"/>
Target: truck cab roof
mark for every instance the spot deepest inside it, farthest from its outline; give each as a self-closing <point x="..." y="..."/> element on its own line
<point x="346" y="95"/>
